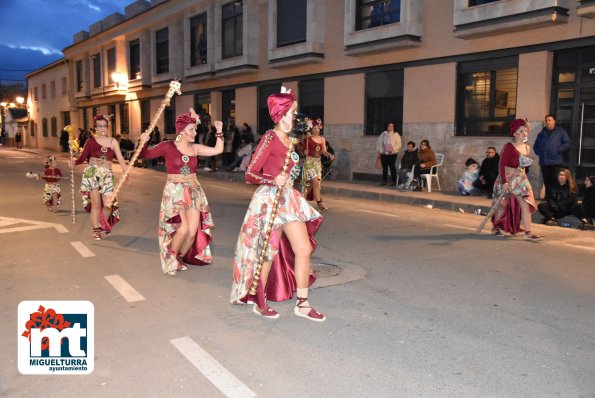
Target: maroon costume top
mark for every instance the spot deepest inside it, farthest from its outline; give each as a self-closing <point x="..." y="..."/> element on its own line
<point x="52" y="175"/>
<point x="509" y="157"/>
<point x="312" y="148"/>
<point x="267" y="162"/>
<point x="94" y="149"/>
<point x="173" y="157"/>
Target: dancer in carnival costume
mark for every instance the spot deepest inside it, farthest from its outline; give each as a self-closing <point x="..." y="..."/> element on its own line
<point x="185" y="219"/>
<point x="312" y="149"/>
<point x="287" y="265"/>
<point x="51" y="191"/>
<point x="98" y="180"/>
<point x="512" y="190"/>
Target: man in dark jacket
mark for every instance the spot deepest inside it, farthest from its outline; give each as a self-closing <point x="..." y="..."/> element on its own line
<point x="550" y="145"/>
<point x="488" y="172"/>
<point x="64" y="141"/>
<point x="408" y="160"/>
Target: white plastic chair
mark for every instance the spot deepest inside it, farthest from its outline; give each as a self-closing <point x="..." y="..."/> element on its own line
<point x="434" y="172"/>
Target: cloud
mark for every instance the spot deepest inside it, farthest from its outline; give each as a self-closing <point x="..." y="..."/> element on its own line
<point x="43" y="50"/>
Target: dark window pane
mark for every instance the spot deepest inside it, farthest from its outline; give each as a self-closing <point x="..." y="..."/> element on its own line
<point x="228" y="107"/>
<point x="291" y="22"/>
<point x="198" y="40"/>
<point x="232" y="29"/>
<point x="96" y="70"/>
<point x="111" y="63"/>
<point x="54" y="126"/>
<point x="134" y="54"/>
<point x="124" y="127"/>
<point x="162" y="50"/>
<point x="473" y="3"/>
<point x="79" y="77"/>
<point x="384" y="100"/>
<point x="145" y="114"/>
<point x="169" y="117"/>
<point x="486" y="97"/>
<point x="373" y="13"/>
<point x="311" y="94"/>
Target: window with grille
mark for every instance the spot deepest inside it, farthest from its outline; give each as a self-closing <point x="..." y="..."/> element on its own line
<point x="162" y="51"/>
<point x="291" y="22"/>
<point x="232" y="29"/>
<point x="228" y="106"/>
<point x="43" y="92"/>
<point x="124" y="126"/>
<point x="111" y="64"/>
<point x="169" y="118"/>
<point x="134" y="55"/>
<point x="384" y="100"/>
<point x="96" y="70"/>
<point x="54" y="126"/>
<point x="32" y="128"/>
<point x="264" y="118"/>
<point x="65" y="118"/>
<point x="198" y="40"/>
<point x="486" y="96"/>
<point x="373" y="13"/>
<point x="145" y="114"/>
<point x="44" y="127"/>
<point x="79" y="76"/>
<point x="311" y="94"/>
<point x="473" y="3"/>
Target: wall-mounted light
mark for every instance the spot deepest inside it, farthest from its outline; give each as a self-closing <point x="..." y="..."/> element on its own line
<point x="20" y="100"/>
<point x="121" y="80"/>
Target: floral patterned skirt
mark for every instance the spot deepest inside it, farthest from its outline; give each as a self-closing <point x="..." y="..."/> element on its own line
<point x="520" y="186"/>
<point x="178" y="197"/>
<point x="281" y="282"/>
<point x="102" y="179"/>
<point x="48" y="191"/>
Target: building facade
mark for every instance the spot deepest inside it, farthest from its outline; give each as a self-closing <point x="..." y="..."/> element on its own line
<point x="455" y="72"/>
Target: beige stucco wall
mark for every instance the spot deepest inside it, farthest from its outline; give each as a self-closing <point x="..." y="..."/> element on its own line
<point x="534" y="85"/>
<point x="246" y="108"/>
<point x="421" y="106"/>
<point x="344" y="99"/>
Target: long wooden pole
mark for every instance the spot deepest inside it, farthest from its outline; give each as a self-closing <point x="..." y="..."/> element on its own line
<point x="270" y="223"/>
<point x="73" y="205"/>
<point x="174" y="88"/>
<point x="490" y="213"/>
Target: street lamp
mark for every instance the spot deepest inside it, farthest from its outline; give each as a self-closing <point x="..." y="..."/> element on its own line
<point x="20" y="100"/>
<point x="121" y="80"/>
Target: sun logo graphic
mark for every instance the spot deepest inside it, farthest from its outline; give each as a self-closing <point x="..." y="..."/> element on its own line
<point x="56" y="337"/>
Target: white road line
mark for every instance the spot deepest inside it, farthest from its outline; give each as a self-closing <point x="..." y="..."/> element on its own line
<point x="572" y="245"/>
<point x="378" y="213"/>
<point x="19" y="229"/>
<point x="128" y="292"/>
<point x="221" y="378"/>
<point x="459" y="226"/>
<point x="82" y="249"/>
<point x="8" y="222"/>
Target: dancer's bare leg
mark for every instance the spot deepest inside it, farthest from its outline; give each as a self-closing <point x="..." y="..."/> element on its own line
<point x="180" y="235"/>
<point x="95" y="207"/>
<point x="192" y="218"/>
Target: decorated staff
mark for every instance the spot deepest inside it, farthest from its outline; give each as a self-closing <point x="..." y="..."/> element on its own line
<point x="73" y="146"/>
<point x="174" y="88"/>
<point x="272" y="258"/>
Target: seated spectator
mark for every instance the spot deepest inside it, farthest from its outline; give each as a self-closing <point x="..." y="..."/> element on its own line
<point x="244" y="150"/>
<point x="408" y="160"/>
<point x="426" y="158"/>
<point x="585" y="211"/>
<point x="488" y="172"/>
<point x="561" y="199"/>
<point x="465" y="182"/>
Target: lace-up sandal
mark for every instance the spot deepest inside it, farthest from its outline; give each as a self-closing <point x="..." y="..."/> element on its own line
<point x="532" y="238"/>
<point x="266" y="312"/>
<point x="497" y="232"/>
<point x="312" y="315"/>
<point x="321" y="207"/>
<point x="97" y="233"/>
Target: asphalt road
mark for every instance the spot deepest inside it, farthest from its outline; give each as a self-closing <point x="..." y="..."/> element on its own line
<point x="423" y="307"/>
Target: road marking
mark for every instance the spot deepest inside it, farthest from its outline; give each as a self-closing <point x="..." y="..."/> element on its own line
<point x="82" y="249"/>
<point x="378" y="213"/>
<point x="221" y="378"/>
<point x="129" y="293"/>
<point x="459" y="226"/>
<point x="4" y="221"/>
<point x="571" y="245"/>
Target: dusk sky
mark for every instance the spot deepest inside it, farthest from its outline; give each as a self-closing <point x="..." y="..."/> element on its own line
<point x="34" y="32"/>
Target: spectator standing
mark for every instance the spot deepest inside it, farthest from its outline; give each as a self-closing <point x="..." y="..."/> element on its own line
<point x="64" y="141"/>
<point x="550" y="145"/>
<point x="18" y="138"/>
<point x="388" y="146"/>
